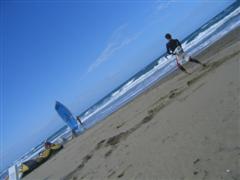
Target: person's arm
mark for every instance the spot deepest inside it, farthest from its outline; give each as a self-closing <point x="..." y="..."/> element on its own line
<point x="178" y="43"/>
<point x="168" y="50"/>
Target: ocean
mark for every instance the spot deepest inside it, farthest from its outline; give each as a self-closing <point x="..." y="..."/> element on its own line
<point x="161" y="67"/>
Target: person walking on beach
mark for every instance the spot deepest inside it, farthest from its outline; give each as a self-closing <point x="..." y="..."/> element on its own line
<point x="80" y="122"/>
<point x="174" y="47"/>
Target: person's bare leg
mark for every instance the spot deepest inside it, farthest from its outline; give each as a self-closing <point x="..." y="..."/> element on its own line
<point x="182" y="68"/>
<point x="196" y="61"/>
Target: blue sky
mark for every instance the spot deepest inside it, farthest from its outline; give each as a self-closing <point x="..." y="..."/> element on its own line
<point x="76" y="52"/>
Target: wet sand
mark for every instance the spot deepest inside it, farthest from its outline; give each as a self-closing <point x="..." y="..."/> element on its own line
<point x="184" y="127"/>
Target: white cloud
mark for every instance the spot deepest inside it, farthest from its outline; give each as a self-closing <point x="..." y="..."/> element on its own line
<point x="117" y="41"/>
<point x="155" y="12"/>
<point x="160" y="5"/>
<point x="120" y="38"/>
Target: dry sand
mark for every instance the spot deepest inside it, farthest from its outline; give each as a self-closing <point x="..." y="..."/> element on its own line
<point x="186" y="127"/>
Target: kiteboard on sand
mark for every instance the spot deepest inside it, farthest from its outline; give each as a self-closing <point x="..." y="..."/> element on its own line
<point x="67" y="116"/>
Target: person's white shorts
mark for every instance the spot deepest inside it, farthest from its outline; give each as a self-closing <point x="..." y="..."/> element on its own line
<point x="181" y="56"/>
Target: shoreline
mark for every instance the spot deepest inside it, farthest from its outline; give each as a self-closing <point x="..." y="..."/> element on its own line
<point x="129" y="137"/>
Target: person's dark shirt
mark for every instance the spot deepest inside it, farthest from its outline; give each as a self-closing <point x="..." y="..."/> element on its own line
<point x="172" y="44"/>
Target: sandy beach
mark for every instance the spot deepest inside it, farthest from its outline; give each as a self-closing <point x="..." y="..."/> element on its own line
<point x="184" y="127"/>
